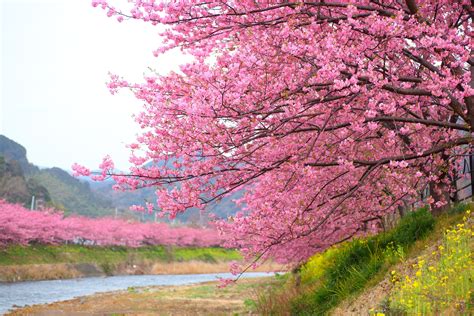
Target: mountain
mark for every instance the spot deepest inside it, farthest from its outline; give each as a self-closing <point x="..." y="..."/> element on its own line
<point x="12" y="151"/>
<point x="16" y="188"/>
<point x="71" y="194"/>
<point x="20" y="180"/>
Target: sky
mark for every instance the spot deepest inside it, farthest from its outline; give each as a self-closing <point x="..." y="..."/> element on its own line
<point x="55" y="60"/>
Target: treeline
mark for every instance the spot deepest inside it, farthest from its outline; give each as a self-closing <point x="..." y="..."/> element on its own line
<point x="19" y="225"/>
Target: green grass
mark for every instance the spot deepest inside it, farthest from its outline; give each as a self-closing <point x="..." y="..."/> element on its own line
<point x="34" y="254"/>
<point x="349" y="267"/>
<point x="345" y="270"/>
<point x="443" y="280"/>
<point x="210" y="255"/>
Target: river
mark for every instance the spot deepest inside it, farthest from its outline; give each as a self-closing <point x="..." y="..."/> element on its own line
<point x="41" y="292"/>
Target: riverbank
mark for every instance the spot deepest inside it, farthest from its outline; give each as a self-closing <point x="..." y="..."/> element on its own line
<point x="47" y="254"/>
<point x="36" y="272"/>
<point x="197" y="299"/>
<point x="41" y="262"/>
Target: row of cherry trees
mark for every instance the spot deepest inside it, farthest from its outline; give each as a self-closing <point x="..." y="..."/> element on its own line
<point x="22" y="226"/>
<point x="329" y="114"/>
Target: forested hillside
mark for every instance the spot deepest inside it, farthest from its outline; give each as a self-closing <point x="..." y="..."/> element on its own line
<point x="20" y="180"/>
<point x="16" y="188"/>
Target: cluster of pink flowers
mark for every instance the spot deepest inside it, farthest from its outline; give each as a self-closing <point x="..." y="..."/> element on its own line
<point x="330" y="114"/>
<point x="22" y="226"/>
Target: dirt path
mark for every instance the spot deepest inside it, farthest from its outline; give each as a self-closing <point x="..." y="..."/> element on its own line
<point x="196" y="299"/>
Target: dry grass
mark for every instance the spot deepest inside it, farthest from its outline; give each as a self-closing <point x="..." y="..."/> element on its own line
<point x="277" y="299"/>
<point x="38" y="272"/>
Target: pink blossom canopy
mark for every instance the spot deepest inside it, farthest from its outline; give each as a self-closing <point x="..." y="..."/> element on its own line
<point x="329" y="114"/>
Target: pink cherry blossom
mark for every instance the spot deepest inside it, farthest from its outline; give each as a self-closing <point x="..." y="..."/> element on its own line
<point x="21" y="226"/>
<point x="323" y="113"/>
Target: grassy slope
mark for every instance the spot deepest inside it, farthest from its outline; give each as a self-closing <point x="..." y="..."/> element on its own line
<point x="344" y="272"/>
<point x="20" y="255"/>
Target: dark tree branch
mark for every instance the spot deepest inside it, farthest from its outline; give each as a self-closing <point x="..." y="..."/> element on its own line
<point x="387" y="160"/>
<point x="411" y="4"/>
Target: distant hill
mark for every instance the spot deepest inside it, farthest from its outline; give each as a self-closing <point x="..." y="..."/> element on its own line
<point x="123" y="200"/>
<point x="71" y="194"/>
<point x="16" y="188"/>
<point x="20" y="180"/>
<point x="12" y="151"/>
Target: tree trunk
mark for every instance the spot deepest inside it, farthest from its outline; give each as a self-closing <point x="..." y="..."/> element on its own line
<point x="440" y="190"/>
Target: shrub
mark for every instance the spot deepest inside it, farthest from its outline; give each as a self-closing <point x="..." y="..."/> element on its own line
<point x="107" y="268"/>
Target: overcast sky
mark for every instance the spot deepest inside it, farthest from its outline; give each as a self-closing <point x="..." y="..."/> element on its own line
<point x="56" y="55"/>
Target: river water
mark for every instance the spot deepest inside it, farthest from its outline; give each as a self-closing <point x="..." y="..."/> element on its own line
<point x="41" y="292"/>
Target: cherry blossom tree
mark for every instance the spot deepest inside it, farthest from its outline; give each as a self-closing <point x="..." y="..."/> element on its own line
<point x="329" y="114"/>
<point x="21" y="226"/>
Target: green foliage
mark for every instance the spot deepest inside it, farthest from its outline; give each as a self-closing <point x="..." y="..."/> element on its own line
<point x="15" y="188"/>
<point x="34" y="254"/>
<point x="107" y="268"/>
<point x="72" y="195"/>
<point x="132" y="289"/>
<point x="394" y="253"/>
<point x="412" y="227"/>
<point x="213" y="254"/>
<point x="314" y="269"/>
<point x="20" y="180"/>
<point x="250" y="304"/>
<point x="459" y="208"/>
